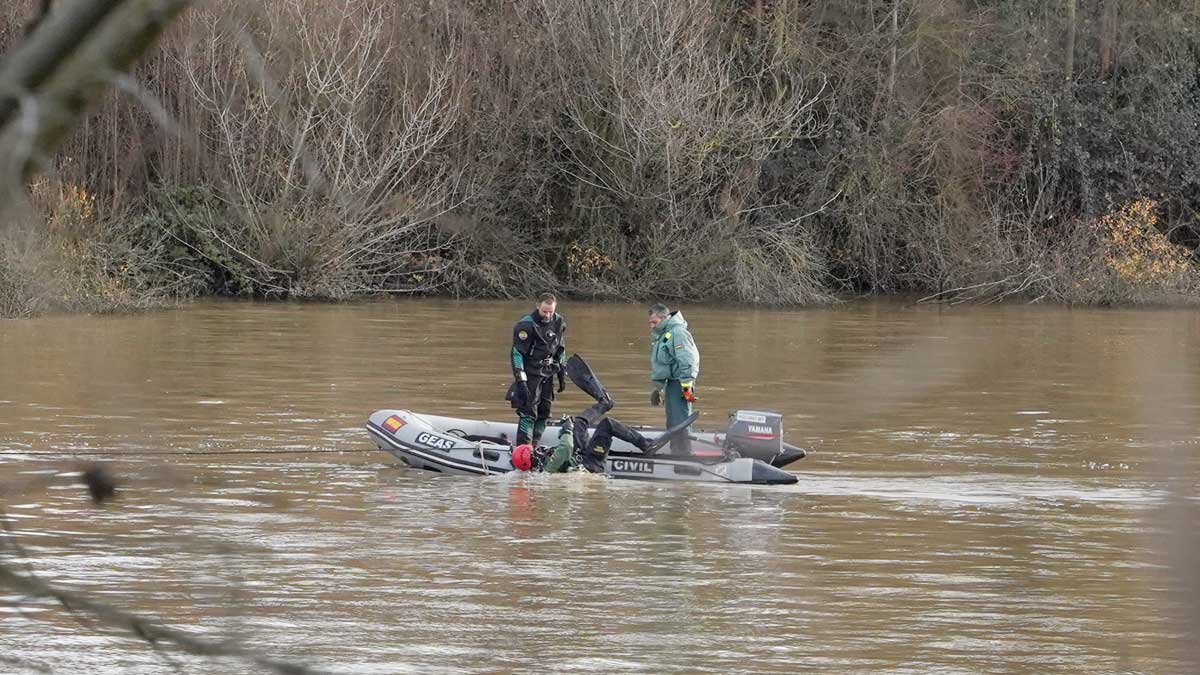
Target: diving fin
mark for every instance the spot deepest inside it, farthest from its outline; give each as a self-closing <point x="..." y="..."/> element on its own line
<point x="583" y="377"/>
<point x="658" y="443"/>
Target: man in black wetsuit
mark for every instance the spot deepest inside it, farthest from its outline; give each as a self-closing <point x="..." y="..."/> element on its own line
<point x="536" y="358"/>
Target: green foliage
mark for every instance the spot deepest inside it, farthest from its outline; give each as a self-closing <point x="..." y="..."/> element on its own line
<point x="167" y="245"/>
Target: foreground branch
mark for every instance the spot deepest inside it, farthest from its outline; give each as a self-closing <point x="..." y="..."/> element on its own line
<point x="65" y="67"/>
<point x="52" y="39"/>
<point x="34" y="588"/>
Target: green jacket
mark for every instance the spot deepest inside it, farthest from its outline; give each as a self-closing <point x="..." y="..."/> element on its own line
<point x="673" y="353"/>
<point x="563" y="457"/>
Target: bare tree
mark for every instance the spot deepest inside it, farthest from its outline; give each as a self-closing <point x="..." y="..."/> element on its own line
<point x="1069" y="49"/>
<point x="670" y="129"/>
<point x="326" y="157"/>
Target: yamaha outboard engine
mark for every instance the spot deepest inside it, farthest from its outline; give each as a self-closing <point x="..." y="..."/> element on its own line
<point x="755" y="434"/>
<point x="759" y="434"/>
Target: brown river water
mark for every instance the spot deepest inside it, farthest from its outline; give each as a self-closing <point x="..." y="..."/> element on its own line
<point x="988" y="491"/>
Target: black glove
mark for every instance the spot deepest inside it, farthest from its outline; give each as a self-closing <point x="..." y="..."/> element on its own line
<point x="656" y="398"/>
<point x="520" y="394"/>
<point x="565" y="423"/>
<point x="562" y="381"/>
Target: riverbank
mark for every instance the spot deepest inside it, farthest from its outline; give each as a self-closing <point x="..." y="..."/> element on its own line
<point x="345" y="149"/>
<point x="67" y="260"/>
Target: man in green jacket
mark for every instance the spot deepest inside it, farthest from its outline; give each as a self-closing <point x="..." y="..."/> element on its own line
<point x="674" y="365"/>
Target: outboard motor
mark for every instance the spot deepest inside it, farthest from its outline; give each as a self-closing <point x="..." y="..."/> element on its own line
<point x="759" y="434"/>
<point x="753" y="433"/>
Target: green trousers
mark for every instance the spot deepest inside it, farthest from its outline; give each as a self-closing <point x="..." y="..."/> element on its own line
<point x="677" y="411"/>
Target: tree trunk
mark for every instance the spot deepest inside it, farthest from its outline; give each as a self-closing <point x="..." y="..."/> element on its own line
<point x="1069" y="68"/>
<point x="1109" y="37"/>
<point x="891" y="86"/>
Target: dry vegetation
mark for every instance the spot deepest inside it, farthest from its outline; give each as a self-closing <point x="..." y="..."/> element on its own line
<point x="766" y="151"/>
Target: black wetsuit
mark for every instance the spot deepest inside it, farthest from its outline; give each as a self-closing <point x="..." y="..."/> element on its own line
<point x="538" y="354"/>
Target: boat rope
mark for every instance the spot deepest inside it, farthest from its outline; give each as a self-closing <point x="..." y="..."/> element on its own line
<point x="482" y="459"/>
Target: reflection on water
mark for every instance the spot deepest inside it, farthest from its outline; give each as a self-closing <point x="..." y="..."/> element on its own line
<point x="981" y="496"/>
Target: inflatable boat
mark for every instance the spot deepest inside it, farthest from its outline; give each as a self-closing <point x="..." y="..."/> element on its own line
<point x="750" y="451"/>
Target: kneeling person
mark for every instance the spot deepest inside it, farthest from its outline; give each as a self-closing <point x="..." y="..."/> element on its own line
<point x="593" y="451"/>
<point x="575" y="450"/>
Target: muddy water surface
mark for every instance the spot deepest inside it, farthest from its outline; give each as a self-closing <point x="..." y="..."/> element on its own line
<point x="985" y="494"/>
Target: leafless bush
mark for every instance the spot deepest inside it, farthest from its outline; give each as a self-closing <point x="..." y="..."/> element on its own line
<point x="761" y="151"/>
<point x="323" y="149"/>
<point x="1121" y="258"/>
<point x="58" y="254"/>
<point x="22" y="274"/>
<point x="668" y="127"/>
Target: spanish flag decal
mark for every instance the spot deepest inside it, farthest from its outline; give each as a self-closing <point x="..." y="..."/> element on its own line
<point x="393" y="424"/>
